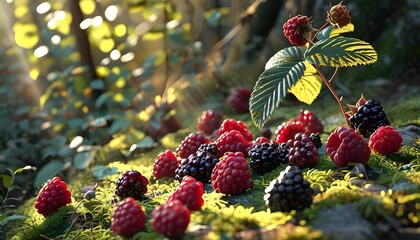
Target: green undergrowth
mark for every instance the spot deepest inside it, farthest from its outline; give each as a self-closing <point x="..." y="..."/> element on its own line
<point x="388" y="192"/>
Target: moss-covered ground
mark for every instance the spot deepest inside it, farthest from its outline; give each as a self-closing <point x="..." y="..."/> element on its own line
<point x="387" y="196"/>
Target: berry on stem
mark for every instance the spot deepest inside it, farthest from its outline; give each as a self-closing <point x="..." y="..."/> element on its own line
<point x="339" y="15"/>
<point x="297" y="30"/>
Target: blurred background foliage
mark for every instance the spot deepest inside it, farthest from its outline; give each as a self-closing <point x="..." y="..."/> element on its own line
<point x="87" y="82"/>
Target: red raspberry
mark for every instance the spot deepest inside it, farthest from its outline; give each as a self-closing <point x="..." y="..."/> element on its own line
<point x="288" y="131"/>
<point x="131" y="184"/>
<point x="296" y="30"/>
<point x="385" y="140"/>
<point x="171" y="219"/>
<point x="302" y="152"/>
<point x="165" y="165"/>
<point x="260" y="140"/>
<point x="238" y="99"/>
<point x="232" y="124"/>
<point x="310" y="121"/>
<point x="209" y="121"/>
<point x="52" y="196"/>
<point x="128" y="218"/>
<point x="232" y="141"/>
<point x="190" y="144"/>
<point x="231" y="174"/>
<point x="345" y="146"/>
<point x="190" y="192"/>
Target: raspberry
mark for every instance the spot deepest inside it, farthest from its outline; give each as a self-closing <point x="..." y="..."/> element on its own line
<point x="52" y="196"/>
<point x="303" y="152"/>
<point x="238" y="99"/>
<point x="345" y="146"/>
<point x="339" y="15"/>
<point x="297" y="30"/>
<point x="209" y="121"/>
<point x="264" y="157"/>
<point x="260" y="140"/>
<point x="131" y="184"/>
<point x="385" y="140"/>
<point x="232" y="141"/>
<point x="367" y="116"/>
<point x="289" y="191"/>
<point x="171" y="219"/>
<point x="232" y="124"/>
<point x="165" y="165"/>
<point x="316" y="139"/>
<point x="128" y="218"/>
<point x="231" y="174"/>
<point x="190" y="193"/>
<point x="190" y="144"/>
<point x="288" y="131"/>
<point x="198" y="165"/>
<point x="310" y="121"/>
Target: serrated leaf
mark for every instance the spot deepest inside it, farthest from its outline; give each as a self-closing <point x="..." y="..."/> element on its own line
<point x="271" y="88"/>
<point x="309" y="85"/>
<point x="331" y="31"/>
<point x="285" y="55"/>
<point x="48" y="171"/>
<point x="341" y="52"/>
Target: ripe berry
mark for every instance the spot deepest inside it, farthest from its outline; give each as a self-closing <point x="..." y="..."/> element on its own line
<point x="231" y="174"/>
<point x="232" y="124"/>
<point x="128" y="218"/>
<point x="385" y="140"/>
<point x="238" y="99"/>
<point x="316" y="139"/>
<point x="339" y="15"/>
<point x="198" y="165"/>
<point x="190" y="193"/>
<point x="345" y="146"/>
<point x="288" y="131"/>
<point x="260" y="140"/>
<point x="52" y="196"/>
<point x="303" y="152"/>
<point x="209" y="121"/>
<point x="367" y="116"/>
<point x="131" y="184"/>
<point x="289" y="191"/>
<point x="264" y="157"/>
<point x="210" y="148"/>
<point x="297" y="30"/>
<point x="171" y="219"/>
<point x="190" y="144"/>
<point x="310" y="121"/>
<point x="233" y="141"/>
<point x="165" y="165"/>
<point x="284" y="153"/>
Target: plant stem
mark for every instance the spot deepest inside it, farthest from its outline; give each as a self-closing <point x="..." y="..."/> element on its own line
<point x="319" y="30"/>
<point x="328" y="83"/>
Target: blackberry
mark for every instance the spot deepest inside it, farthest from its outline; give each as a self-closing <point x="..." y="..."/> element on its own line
<point x="316" y="139"/>
<point x="289" y="191"/>
<point x="198" y="165"/>
<point x="131" y="184"/>
<point x="368" y="117"/>
<point x="264" y="157"/>
<point x="303" y="152"/>
<point x="210" y="148"/>
<point x="284" y="153"/>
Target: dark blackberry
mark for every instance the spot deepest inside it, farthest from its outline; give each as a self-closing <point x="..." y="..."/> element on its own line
<point x="210" y="148"/>
<point x="198" y="165"/>
<point x="264" y="157"/>
<point x="316" y="139"/>
<point x="289" y="191"/>
<point x="369" y="117"/>
<point x="131" y="184"/>
<point x="284" y="153"/>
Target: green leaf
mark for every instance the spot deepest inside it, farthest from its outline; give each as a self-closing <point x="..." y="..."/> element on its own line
<point x="6" y="180"/>
<point x="285" y="55"/>
<point x="309" y="85"/>
<point x="49" y="171"/>
<point x="102" y="172"/>
<point x="97" y="84"/>
<point x="331" y="31"/>
<point x="341" y="52"/>
<point x="272" y="87"/>
<point x="82" y="160"/>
